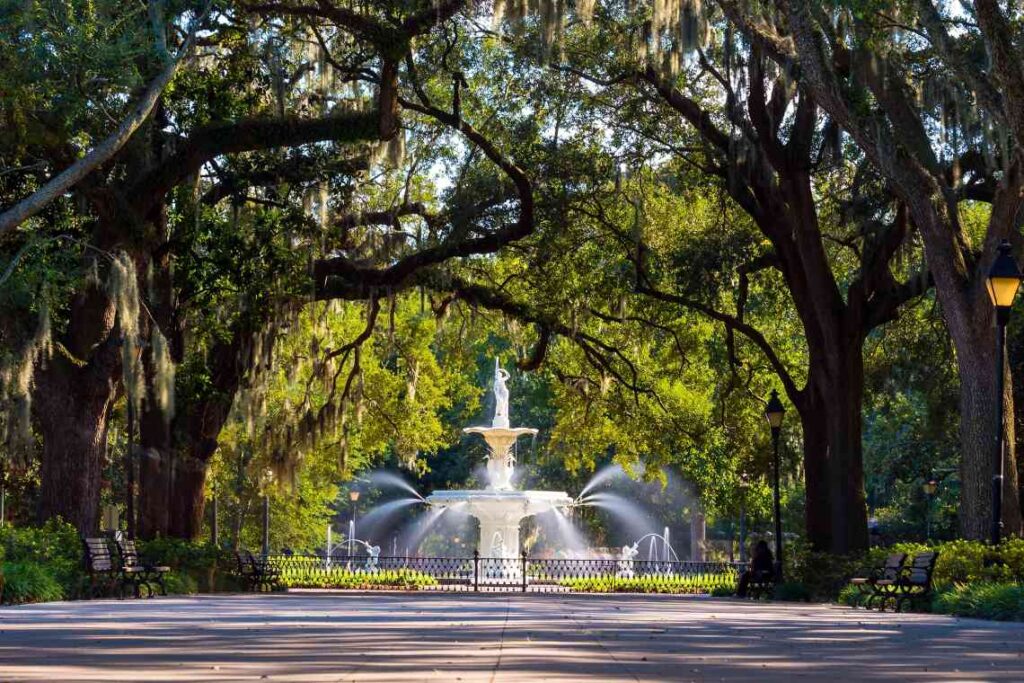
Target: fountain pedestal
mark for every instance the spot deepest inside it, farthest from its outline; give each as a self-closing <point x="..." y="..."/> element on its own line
<point x="500" y="513"/>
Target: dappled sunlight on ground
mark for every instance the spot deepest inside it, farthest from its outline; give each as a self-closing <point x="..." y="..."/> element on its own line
<point x="409" y="637"/>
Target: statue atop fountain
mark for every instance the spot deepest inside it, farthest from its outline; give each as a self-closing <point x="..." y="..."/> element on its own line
<point x="499" y="507"/>
<point x="500" y="438"/>
<point x="500" y="389"/>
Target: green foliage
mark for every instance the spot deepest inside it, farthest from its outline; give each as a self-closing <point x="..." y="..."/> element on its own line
<point x="178" y="553"/>
<point x="194" y="566"/>
<point x="850" y="596"/>
<point x="180" y="583"/>
<point x="822" y="575"/>
<point x="966" y="562"/>
<point x="792" y="591"/>
<point x="999" y="601"/>
<point x="723" y="591"/>
<point x="54" y="546"/>
<point x="340" y="577"/>
<point x="723" y="582"/>
<point x="27" y="581"/>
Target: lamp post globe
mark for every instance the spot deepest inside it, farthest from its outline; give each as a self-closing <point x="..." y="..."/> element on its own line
<point x="1002" y="283"/>
<point x="774" y="413"/>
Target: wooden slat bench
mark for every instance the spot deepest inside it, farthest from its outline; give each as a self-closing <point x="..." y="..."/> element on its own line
<point x="912" y="584"/>
<point x="761" y="585"/>
<point x="865" y="584"/>
<point x="256" y="574"/>
<point x="137" y="574"/>
<point x="99" y="565"/>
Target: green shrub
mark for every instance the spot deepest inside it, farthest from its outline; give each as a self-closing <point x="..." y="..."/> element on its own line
<point x="54" y="545"/>
<point x="339" y="577"/>
<point x="725" y="582"/>
<point x="849" y="595"/>
<point x="1001" y="601"/>
<point x="180" y="583"/>
<point x="822" y="575"/>
<point x="962" y="561"/>
<point x="791" y="591"/>
<point x="203" y="564"/>
<point x="723" y="591"/>
<point x="29" y="582"/>
<point x="826" y="577"/>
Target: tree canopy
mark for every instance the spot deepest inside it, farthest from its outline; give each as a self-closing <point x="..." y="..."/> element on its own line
<point x="261" y="248"/>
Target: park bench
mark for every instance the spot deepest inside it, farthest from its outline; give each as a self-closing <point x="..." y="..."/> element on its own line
<point x="137" y="574"/>
<point x="257" y="574"/>
<point x="99" y="565"/>
<point x="913" y="583"/>
<point x="761" y="585"/>
<point x="866" y="589"/>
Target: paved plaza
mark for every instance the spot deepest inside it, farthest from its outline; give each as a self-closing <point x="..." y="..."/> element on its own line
<point x="438" y="637"/>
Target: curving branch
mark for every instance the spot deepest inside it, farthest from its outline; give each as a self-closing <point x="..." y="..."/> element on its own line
<point x="104" y="151"/>
<point x="209" y="142"/>
<point x="345" y="269"/>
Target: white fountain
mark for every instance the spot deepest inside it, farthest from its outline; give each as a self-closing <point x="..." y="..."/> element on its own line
<point x="499" y="507"/>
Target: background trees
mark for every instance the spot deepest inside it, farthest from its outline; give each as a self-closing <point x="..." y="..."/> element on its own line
<point x="293" y="267"/>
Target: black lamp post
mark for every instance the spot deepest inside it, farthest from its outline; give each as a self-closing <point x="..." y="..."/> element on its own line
<point x="129" y="467"/>
<point x="1003" y="282"/>
<point x="774" y="413"/>
<point x="929" y="488"/>
<point x="744" y="485"/>
<point x="267" y="479"/>
<point x="353" y="496"/>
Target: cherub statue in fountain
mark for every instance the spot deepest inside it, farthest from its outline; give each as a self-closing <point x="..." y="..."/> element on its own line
<point x="500" y="396"/>
<point x="629" y="553"/>
<point x="497" y="545"/>
<point x="373" y="557"/>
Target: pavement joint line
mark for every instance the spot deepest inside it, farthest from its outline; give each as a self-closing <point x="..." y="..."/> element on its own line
<point x="501" y="638"/>
<point x="597" y="640"/>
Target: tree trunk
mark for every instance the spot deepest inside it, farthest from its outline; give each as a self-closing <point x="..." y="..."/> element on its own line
<point x="70" y="407"/>
<point x="845" y="460"/>
<point x="155" y="481"/>
<point x="71" y="401"/>
<point x="156" y="459"/>
<point x="173" y="471"/>
<point x="816" y="497"/>
<point x="188" y="500"/>
<point x="836" y="514"/>
<point x="978" y="430"/>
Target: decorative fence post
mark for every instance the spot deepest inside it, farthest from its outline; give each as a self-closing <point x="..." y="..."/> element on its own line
<point x="476" y="571"/>
<point x="524" y="571"/>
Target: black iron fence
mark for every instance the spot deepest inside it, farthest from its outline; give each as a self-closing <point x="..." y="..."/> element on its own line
<point x="491" y="574"/>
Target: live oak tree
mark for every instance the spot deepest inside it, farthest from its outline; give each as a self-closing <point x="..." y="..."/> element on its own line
<point x="736" y="121"/>
<point x="124" y="209"/>
<point x="933" y="102"/>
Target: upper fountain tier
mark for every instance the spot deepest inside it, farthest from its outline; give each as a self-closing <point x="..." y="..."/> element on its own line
<point x="499" y="436"/>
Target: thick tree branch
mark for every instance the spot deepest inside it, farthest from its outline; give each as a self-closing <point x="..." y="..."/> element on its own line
<point x="210" y="142"/>
<point x="105" y="150"/>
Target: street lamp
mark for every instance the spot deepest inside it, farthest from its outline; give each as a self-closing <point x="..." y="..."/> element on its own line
<point x="268" y="478"/>
<point x="1003" y="282"/>
<point x="353" y="496"/>
<point x="774" y="413"/>
<point x="744" y="485"/>
<point x="929" y="488"/>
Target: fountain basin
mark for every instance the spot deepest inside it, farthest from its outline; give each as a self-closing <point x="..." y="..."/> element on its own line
<point x="500" y="513"/>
